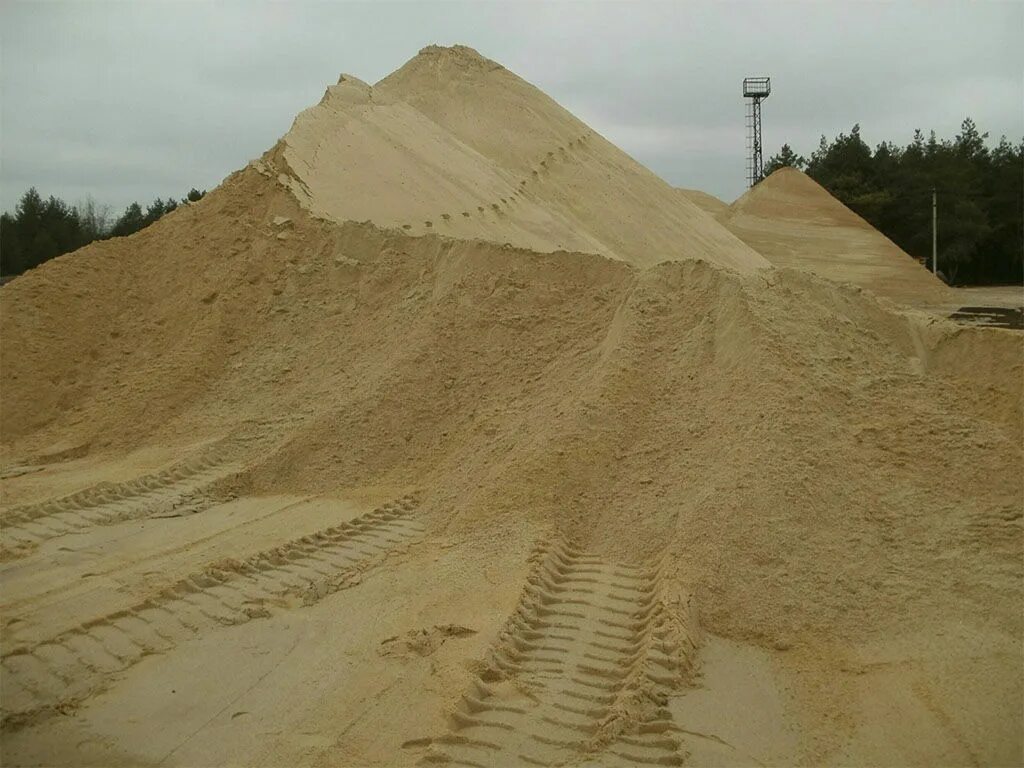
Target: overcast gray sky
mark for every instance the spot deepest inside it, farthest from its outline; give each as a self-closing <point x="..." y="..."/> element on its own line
<point x="129" y="101"/>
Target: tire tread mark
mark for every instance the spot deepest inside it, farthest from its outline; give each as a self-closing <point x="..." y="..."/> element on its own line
<point x="225" y="593"/>
<point x="593" y="644"/>
<point x="175" y="488"/>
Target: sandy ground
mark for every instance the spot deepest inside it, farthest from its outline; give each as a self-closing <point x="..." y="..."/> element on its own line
<point x="297" y="476"/>
<point x="376" y="659"/>
<point x="311" y="677"/>
<point x="1009" y="296"/>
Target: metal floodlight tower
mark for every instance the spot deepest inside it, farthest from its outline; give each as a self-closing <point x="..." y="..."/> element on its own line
<point x="756" y="89"/>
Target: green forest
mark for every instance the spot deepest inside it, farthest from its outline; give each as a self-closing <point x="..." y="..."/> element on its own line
<point x="39" y="229"/>
<point x="979" y="191"/>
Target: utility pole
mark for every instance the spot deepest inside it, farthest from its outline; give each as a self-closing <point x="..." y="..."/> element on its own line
<point x="935" y="235"/>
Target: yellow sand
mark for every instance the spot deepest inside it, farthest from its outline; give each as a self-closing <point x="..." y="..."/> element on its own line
<point x="456" y="144"/>
<point x="794" y="222"/>
<point x="284" y="486"/>
<point x="708" y="203"/>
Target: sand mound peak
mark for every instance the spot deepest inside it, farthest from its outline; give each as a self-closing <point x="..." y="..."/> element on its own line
<point x="345" y="77"/>
<point x="455" y="144"/>
<point x="453" y="54"/>
<point x="795" y="222"/>
<point x="789" y="193"/>
<point x="348" y="90"/>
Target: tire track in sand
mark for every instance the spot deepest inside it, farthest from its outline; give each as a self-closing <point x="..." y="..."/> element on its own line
<point x="582" y="669"/>
<point x="177" y="488"/>
<point x="58" y="673"/>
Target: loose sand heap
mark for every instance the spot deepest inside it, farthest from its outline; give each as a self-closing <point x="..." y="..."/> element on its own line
<point x="794" y="222"/>
<point x="445" y="433"/>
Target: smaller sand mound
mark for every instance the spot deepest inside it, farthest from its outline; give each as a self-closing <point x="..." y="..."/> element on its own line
<point x="794" y="222"/>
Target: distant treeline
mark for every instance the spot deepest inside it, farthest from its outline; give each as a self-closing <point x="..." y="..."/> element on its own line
<point x="980" y="204"/>
<point x="980" y="197"/>
<point x="39" y="229"/>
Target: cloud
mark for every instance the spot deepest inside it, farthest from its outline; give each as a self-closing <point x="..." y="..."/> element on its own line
<point x="134" y="101"/>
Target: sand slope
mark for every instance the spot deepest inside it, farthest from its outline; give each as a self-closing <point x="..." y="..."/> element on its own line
<point x="284" y="490"/>
<point x="708" y="203"/>
<point x="455" y="143"/>
<point x="794" y="222"/>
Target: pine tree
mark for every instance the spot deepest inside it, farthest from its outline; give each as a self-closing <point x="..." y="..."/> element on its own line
<point x="786" y="158"/>
<point x="131" y="221"/>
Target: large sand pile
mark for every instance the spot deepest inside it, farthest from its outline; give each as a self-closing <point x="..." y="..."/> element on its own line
<point x="794" y="222"/>
<point x="600" y="454"/>
<point x="454" y="143"/>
